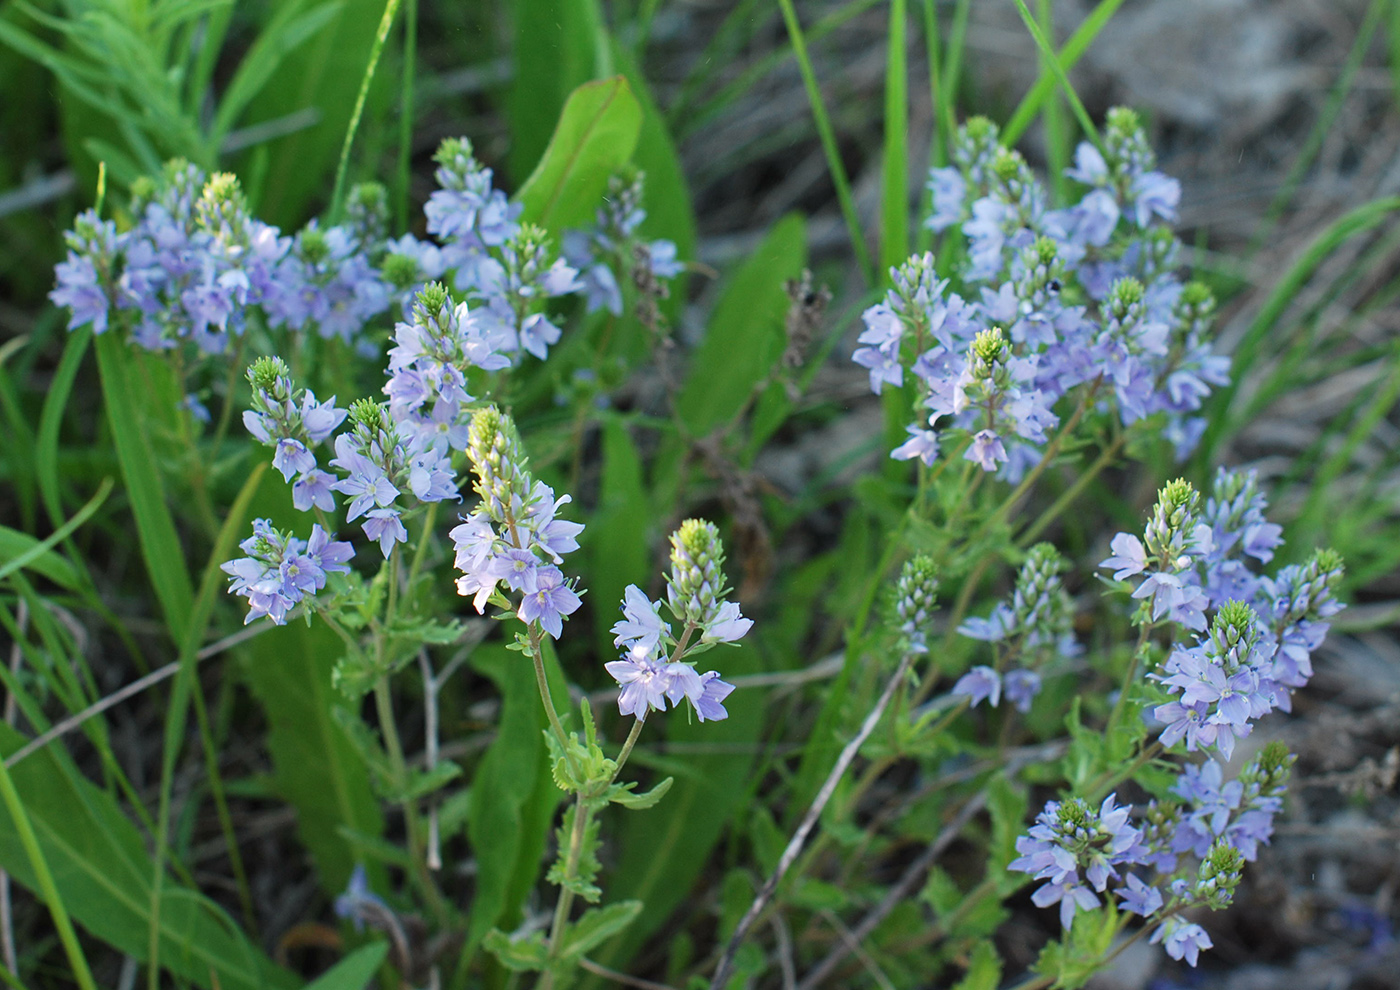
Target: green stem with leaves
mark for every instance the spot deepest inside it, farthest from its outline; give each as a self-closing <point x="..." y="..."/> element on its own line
<point x="583" y="812"/>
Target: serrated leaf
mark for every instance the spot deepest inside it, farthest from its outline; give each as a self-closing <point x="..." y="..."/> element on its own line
<point x="427" y="630"/>
<point x="594" y="137"/>
<point x="622" y="794"/>
<point x="597" y="925"/>
<point x="522" y="955"/>
<point x="424" y="782"/>
<point x="586" y="867"/>
<point x="983" y="969"/>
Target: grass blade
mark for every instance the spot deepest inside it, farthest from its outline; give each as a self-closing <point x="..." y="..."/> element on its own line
<point x="47" y="888"/>
<point x="210" y="586"/>
<point x="1313" y="145"/>
<point x="155" y="528"/>
<point x="391" y="8"/>
<point x="828" y="139"/>
<point x="51" y="566"/>
<point x="894" y="180"/>
<point x="1052" y="62"/>
<point x="51" y="421"/>
<point x="1358" y="221"/>
<point x="101" y="868"/>
<point x="1074" y="49"/>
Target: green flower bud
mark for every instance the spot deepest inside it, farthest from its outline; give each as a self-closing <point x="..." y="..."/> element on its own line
<point x="695" y="585"/>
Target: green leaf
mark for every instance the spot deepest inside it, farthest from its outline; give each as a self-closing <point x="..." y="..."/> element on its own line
<point x="559" y="46"/>
<point x="622" y="794"/>
<point x="894" y="183"/>
<point x="983" y="969"/>
<point x="511" y="772"/>
<point x="16" y="546"/>
<point x="667" y="197"/>
<point x="596" y="133"/>
<point x="597" y="925"/>
<point x="421" y="783"/>
<point x="288" y="29"/>
<point x="587" y="867"/>
<point x="619" y="534"/>
<point x="746" y="333"/>
<point x="354" y="971"/>
<point x="155" y="529"/>
<point x="522" y="955"/>
<point x="51" y="420"/>
<point x="103" y="872"/>
<point x="315" y="766"/>
<point x="664" y="851"/>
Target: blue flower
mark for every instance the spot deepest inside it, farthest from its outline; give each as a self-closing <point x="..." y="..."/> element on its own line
<point x="979" y="684"/>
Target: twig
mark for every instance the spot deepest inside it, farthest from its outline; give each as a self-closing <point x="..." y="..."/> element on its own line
<point x="7" y="932"/>
<point x="134" y="688"/>
<point x="431" y="686"/>
<point x="853" y="946"/>
<point x="597" y="969"/>
<point x="784" y="940"/>
<point x="809" y="820"/>
<point x="914" y="874"/>
<point x="912" y="877"/>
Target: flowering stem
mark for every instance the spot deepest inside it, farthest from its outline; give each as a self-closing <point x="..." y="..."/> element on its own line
<point x="1116" y="715"/>
<point x="1072" y="492"/>
<point x="543" y="681"/>
<point x="1113" y="778"/>
<point x="627" y="746"/>
<point x="429" y="518"/>
<point x="1051" y="450"/>
<point x="583" y="811"/>
<point x="226" y="413"/>
<point x="683" y="642"/>
<point x="960" y="607"/>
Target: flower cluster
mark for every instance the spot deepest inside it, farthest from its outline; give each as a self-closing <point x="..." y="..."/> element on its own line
<point x="653" y="669"/>
<point x="429" y="363"/>
<point x="1081" y="853"/>
<point x="1074" y="848"/>
<point x="382" y="460"/>
<point x="281" y="571"/>
<point x="612" y="244"/>
<point x="1245" y="642"/>
<point x="1084" y="297"/>
<point x="1257" y="649"/>
<point x="915" y="595"/>
<point x="1037" y="623"/>
<point x="513" y="538"/>
<point x="293" y="423"/>
<point x="194" y="264"/>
